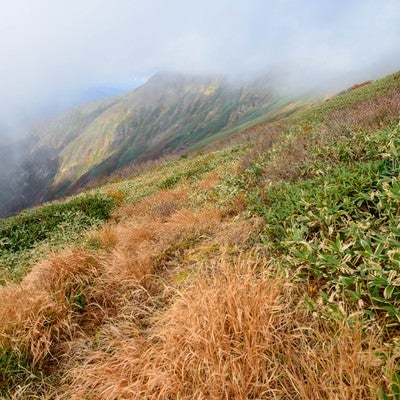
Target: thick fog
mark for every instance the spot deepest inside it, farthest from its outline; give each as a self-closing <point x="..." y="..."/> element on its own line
<point x="51" y="51"/>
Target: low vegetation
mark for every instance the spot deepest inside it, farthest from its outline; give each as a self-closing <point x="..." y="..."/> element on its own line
<point x="27" y="235"/>
<point x="266" y="270"/>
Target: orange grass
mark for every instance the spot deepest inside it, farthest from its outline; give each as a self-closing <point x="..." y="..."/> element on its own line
<point x="232" y="329"/>
<point x="209" y="181"/>
<point x="161" y="204"/>
<point x="233" y="333"/>
<point x="39" y="312"/>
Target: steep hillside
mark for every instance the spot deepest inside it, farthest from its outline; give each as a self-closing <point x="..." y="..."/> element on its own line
<point x="266" y="270"/>
<point x="169" y="114"/>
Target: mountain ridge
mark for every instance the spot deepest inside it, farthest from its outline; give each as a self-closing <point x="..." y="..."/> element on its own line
<point x="170" y="113"/>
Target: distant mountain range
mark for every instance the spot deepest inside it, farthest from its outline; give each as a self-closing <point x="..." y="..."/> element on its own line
<point x="168" y="114"/>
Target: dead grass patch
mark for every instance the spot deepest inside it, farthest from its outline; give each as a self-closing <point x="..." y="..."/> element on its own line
<point x="209" y="182"/>
<point x="107" y="235"/>
<point x="234" y="333"/>
<point x="196" y="220"/>
<point x="38" y="313"/>
<point x="123" y="265"/>
<point x="160" y="205"/>
<point x="370" y="114"/>
<point x="289" y="164"/>
<point x="237" y="232"/>
<point x="138" y="248"/>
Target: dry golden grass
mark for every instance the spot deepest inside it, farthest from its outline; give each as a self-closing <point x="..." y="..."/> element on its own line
<point x="135" y="248"/>
<point x="106" y="235"/>
<point x="38" y="313"/>
<point x="209" y="182"/>
<point x="228" y="327"/>
<point x="71" y="294"/>
<point x="232" y="333"/>
<point x="237" y="232"/>
<point x="135" y="242"/>
<point x="123" y="265"/>
<point x="160" y="205"/>
<point x="132" y="234"/>
<point x="193" y="220"/>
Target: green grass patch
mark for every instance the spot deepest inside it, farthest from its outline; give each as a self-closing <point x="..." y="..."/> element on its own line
<point x="317" y="113"/>
<point x="14" y="370"/>
<point x="186" y="170"/>
<point x="30" y="227"/>
<point x="26" y="237"/>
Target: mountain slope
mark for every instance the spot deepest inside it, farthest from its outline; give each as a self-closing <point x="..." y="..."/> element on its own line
<point x="266" y="270"/>
<point x="168" y="114"/>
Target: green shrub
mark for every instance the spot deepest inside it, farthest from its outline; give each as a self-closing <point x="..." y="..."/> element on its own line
<point x="14" y="370"/>
<point x="30" y="227"/>
<point x="341" y="229"/>
<point x="170" y="182"/>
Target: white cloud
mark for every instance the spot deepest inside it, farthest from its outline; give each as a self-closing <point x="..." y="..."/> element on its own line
<point x="49" y="49"/>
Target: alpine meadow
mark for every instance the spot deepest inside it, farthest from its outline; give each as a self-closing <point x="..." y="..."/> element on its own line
<point x="266" y="269"/>
<point x="204" y="236"/>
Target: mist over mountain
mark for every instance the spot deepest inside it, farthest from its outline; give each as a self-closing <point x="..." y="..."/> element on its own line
<point x="50" y="51"/>
<point x="170" y="113"/>
<point x="82" y="60"/>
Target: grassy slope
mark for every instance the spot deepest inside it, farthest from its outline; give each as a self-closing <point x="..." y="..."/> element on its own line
<point x="276" y="111"/>
<point x="168" y="114"/>
<point x="269" y="272"/>
<point x="28" y="237"/>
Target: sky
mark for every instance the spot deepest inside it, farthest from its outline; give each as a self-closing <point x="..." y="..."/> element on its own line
<point x="52" y="50"/>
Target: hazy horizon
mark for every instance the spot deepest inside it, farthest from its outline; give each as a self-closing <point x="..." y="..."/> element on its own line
<point x="50" y="52"/>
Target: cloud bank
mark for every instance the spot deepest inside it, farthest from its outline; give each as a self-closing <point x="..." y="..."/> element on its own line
<point x="50" y="50"/>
